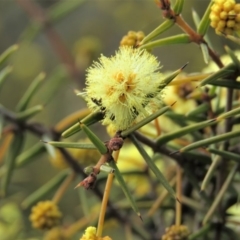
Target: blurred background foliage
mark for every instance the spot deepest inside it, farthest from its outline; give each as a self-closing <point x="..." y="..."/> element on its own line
<point x="87" y="30"/>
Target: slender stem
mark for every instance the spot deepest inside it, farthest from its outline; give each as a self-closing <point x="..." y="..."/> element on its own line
<point x="187" y="29"/>
<point x="39" y="130"/>
<point x="62" y="189"/>
<point x="158" y="127"/>
<point x="105" y="199"/>
<point x="5" y="145"/>
<point x="160" y="199"/>
<point x="220" y="195"/>
<point x="104" y="204"/>
<point x="80" y="224"/>
<point x="179" y="196"/>
<point x="195" y="37"/>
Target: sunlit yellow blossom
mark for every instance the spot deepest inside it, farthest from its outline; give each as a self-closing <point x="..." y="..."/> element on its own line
<point x="90" y="234"/>
<point x="126" y="87"/>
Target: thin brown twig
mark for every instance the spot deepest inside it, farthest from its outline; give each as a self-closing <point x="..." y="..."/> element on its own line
<point x="40" y="130"/>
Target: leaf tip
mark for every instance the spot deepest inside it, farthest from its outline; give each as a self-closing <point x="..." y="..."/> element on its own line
<point x="140" y="216"/>
<point x="184" y="66"/>
<point x="172" y="153"/>
<point x="78" y="185"/>
<point x="173" y="104"/>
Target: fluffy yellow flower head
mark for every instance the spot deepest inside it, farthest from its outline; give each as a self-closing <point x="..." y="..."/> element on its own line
<point x="125" y="87"/>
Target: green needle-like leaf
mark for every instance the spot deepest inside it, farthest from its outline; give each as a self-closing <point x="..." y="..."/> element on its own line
<point x="233" y="57"/>
<point x="220" y="195"/>
<point x="195" y="17"/>
<point x="89" y="120"/>
<point x="144" y="121"/>
<point x="47" y="188"/>
<point x="53" y="82"/>
<point x="3" y="74"/>
<point x="160" y="29"/>
<point x="152" y="166"/>
<point x="170" y="77"/>
<point x="27" y="114"/>
<point x="30" y="155"/>
<point x="177" y="39"/>
<point x="211" y="170"/>
<point x="205" y="52"/>
<point x="178" y="6"/>
<point x="205" y="21"/>
<point x="225" y="154"/>
<point x="72" y="145"/>
<point x="23" y="103"/>
<point x="226" y="83"/>
<point x="233" y="38"/>
<point x="124" y="187"/>
<point x="228" y="114"/>
<point x="197" y="20"/>
<point x="203" y="108"/>
<point x="50" y="149"/>
<point x="7" y="53"/>
<point x="13" y="152"/>
<point x="94" y="139"/>
<point x="185" y="130"/>
<point x="190" y="129"/>
<point x="211" y="140"/>
<point x="200" y="233"/>
<point x="224" y="72"/>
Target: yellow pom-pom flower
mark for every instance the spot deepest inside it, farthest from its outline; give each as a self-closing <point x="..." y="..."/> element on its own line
<point x="225" y="16"/>
<point x="90" y="234"/>
<point x="125" y="87"/>
<point x="45" y="215"/>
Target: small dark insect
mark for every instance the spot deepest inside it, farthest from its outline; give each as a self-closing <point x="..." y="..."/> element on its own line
<point x="99" y="103"/>
<point x="134" y="111"/>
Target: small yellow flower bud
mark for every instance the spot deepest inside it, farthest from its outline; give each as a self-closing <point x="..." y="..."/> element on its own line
<point x="228" y="6"/>
<point x="214" y="17"/>
<point x="216" y="8"/>
<point x="132" y="39"/>
<point x="130" y="42"/>
<point x="237" y="8"/>
<point x="232" y="14"/>
<point x="45" y="215"/>
<point x="223" y="15"/>
<point x="237" y="18"/>
<point x="132" y="34"/>
<point x="221" y="24"/>
<point x="214" y="24"/>
<point x="220" y="2"/>
<point x="230" y="23"/>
